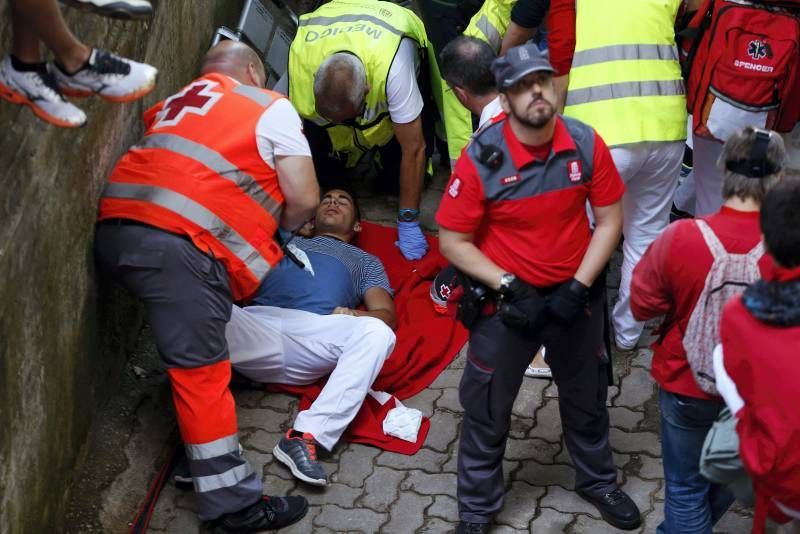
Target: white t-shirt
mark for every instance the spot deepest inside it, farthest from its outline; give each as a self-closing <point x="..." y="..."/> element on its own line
<point x="279" y="132"/>
<point x="402" y="90"/>
<point x="490" y="111"/>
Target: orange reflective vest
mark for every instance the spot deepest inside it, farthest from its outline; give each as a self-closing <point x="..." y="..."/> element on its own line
<point x="197" y="172"/>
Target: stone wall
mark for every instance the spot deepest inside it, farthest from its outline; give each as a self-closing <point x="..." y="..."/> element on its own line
<point x="62" y="340"/>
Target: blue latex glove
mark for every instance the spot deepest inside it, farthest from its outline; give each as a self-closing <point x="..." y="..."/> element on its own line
<point x="411" y="242"/>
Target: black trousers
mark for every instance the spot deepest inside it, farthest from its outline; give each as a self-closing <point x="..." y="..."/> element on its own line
<point x="496" y="362"/>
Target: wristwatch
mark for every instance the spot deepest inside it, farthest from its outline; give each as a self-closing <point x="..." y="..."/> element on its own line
<point x="505" y="282"/>
<point x="407" y="214"/>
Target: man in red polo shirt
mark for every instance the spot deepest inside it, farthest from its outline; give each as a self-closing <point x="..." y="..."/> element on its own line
<point x="513" y="218"/>
<point x="662" y="286"/>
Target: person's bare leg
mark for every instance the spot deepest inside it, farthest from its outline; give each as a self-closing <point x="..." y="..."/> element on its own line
<point x="538" y="360"/>
<point x="41" y="20"/>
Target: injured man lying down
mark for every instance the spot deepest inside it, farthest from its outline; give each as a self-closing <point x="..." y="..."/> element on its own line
<point x="304" y="323"/>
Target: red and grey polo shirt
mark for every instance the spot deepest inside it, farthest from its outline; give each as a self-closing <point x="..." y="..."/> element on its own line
<point x="528" y="213"/>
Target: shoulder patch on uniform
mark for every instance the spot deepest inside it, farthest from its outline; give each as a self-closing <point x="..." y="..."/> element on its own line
<point x="455" y="188"/>
<point x="575" y="170"/>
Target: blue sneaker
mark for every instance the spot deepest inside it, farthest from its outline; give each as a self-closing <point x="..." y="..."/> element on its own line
<point x="299" y="454"/>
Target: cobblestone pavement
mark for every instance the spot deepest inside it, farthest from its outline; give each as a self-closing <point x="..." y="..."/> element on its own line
<point x="376" y="491"/>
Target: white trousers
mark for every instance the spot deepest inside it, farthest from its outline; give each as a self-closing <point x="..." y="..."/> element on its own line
<point x="707" y="176"/>
<point x="294" y="347"/>
<point x="650" y="172"/>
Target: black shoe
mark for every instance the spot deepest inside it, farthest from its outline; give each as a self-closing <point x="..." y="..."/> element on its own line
<point x="299" y="454"/>
<point x="269" y="513"/>
<point x="616" y="508"/>
<point x="465" y="527"/>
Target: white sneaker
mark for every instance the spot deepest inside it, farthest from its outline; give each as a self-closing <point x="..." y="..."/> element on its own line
<point x="539" y="372"/>
<point x="118" y="9"/>
<point x="112" y="77"/>
<point x="39" y="91"/>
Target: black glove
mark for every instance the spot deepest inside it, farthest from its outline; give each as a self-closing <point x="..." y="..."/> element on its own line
<point x="522" y="307"/>
<point x="565" y="303"/>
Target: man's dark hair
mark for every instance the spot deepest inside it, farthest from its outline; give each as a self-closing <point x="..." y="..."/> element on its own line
<point x="356" y="207"/>
<point x="780" y="222"/>
<point x="467" y="62"/>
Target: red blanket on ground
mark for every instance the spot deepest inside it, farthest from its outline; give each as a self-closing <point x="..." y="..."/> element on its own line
<point x="426" y="341"/>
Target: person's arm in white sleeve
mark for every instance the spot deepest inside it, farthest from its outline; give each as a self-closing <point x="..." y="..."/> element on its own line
<point x="282" y="146"/>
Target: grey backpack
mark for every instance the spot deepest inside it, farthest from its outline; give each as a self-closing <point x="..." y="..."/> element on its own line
<point x="729" y="275"/>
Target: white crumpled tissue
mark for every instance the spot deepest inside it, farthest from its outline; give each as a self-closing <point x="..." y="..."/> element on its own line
<point x="400" y="422"/>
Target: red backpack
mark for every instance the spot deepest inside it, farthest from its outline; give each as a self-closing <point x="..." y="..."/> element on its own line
<point x="740" y="62"/>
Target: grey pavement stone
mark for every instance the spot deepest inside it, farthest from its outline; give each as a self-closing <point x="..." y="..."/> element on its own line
<point x="274" y="485"/>
<point x="647" y="442"/>
<point x="546" y="475"/>
<point x="625" y="418"/>
<point x="355" y="464"/>
<point x="279" y="470"/>
<point x="165" y="509"/>
<point x="653" y="518"/>
<point x="551" y="391"/>
<point x="646" y="467"/>
<point x="505" y="529"/>
<point x="437" y="526"/>
<point x="520" y="505"/>
<point x="613" y="393"/>
<point x="451" y="465"/>
<point x="733" y="523"/>
<point x="424" y="401"/>
<point x="461" y="358"/>
<point x="408" y="513"/>
<point x="263" y="418"/>
<point x="425" y="459"/>
<point x="510" y="468"/>
<point x="445" y="507"/>
<point x="184" y="521"/>
<point x="338" y="494"/>
<point x="635" y="390"/>
<point x="551" y="521"/>
<point x="261" y="440"/>
<point x="589" y="525"/>
<point x="529" y="397"/>
<point x="449" y="401"/>
<point x="381" y="488"/>
<point x="548" y="423"/>
<point x="249" y="397"/>
<point x="532" y="449"/>
<point x="351" y="520"/>
<point x="567" y="501"/>
<point x="520" y="427"/>
<point x="305" y="525"/>
<point x="280" y="402"/>
<point x="444" y="430"/>
<point x="426" y="484"/>
<point x="449" y="378"/>
<point x="643" y="358"/>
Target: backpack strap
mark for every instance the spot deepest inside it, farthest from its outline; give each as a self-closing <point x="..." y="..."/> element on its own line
<point x="712" y="241"/>
<point x="756" y="252"/>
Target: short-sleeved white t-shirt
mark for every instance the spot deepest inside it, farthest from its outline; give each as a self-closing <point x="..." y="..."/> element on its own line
<point x="279" y="132"/>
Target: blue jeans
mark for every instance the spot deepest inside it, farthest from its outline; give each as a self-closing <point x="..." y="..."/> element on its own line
<point x="693" y="504"/>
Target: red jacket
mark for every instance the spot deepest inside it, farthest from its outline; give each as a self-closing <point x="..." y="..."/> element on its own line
<point x="763" y="361"/>
<point x="669" y="279"/>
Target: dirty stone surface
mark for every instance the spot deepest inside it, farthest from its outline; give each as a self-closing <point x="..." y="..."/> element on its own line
<point x="375" y="491"/>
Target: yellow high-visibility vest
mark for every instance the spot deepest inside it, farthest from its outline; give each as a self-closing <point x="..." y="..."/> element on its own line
<point x="371" y="30"/>
<point x="489" y="24"/>
<point x="625" y="79"/>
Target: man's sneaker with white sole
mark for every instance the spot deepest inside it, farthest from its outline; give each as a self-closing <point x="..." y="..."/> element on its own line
<point x="38" y="90"/>
<point x="299" y="453"/>
<point x="114" y="78"/>
<point x="118" y="9"/>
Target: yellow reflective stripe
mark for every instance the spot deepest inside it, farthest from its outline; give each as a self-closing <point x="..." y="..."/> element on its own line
<point x="212" y="449"/>
<point x="625" y="90"/>
<point x="216" y="162"/>
<point x="327" y="21"/>
<point x="625" y="52"/>
<point x="229" y="478"/>
<point x="623" y="71"/>
<point x="196" y="213"/>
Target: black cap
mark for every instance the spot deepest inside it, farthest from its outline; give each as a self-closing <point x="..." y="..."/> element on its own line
<point x="518" y="63"/>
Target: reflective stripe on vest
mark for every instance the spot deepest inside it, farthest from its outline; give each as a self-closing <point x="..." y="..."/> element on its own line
<point x="625" y="79"/>
<point x="372" y="32"/>
<point x="214" y="161"/>
<point x="197" y="214"/>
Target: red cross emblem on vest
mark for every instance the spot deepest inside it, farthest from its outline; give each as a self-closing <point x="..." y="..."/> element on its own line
<point x="197" y="98"/>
